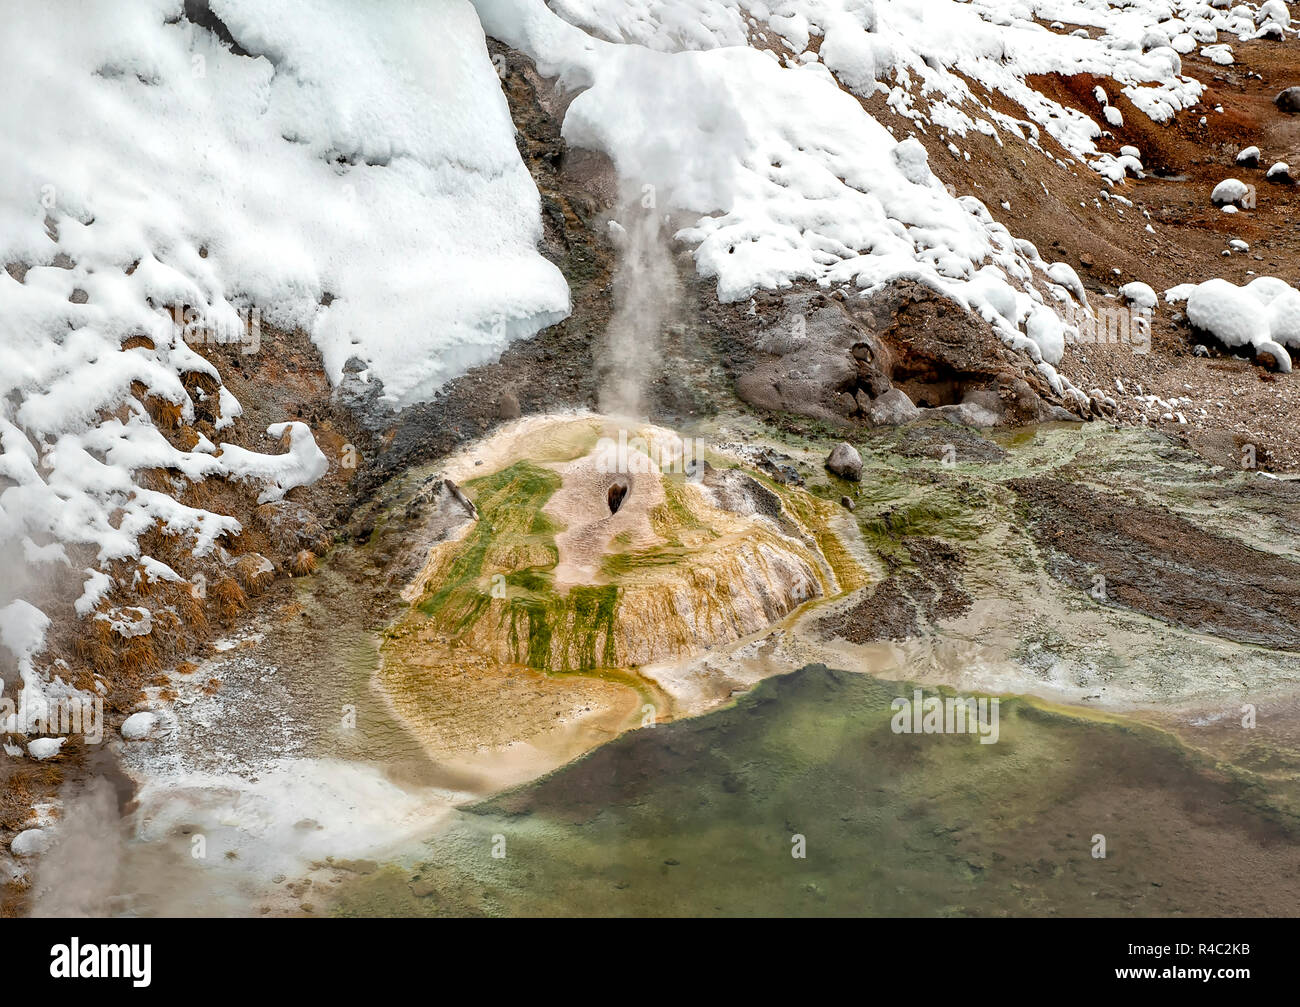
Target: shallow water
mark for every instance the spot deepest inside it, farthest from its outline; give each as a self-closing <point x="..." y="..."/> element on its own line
<point x="700" y="817"/>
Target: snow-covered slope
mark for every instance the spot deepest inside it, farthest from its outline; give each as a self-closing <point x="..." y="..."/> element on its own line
<point x="791" y="179"/>
<point x="343" y="170"/>
<point x="923" y="54"/>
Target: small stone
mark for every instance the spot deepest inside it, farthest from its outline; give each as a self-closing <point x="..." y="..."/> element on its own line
<point x="847" y="504"/>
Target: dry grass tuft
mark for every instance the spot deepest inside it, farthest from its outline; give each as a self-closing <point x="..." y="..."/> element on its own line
<point x="228" y="598"/>
<point x="255" y="573"/>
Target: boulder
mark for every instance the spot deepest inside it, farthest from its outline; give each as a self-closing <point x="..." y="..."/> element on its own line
<point x="1288" y="100"/>
<point x="508" y="406"/>
<point x="892" y="409"/>
<point x="30" y="842"/>
<point x="845" y="462"/>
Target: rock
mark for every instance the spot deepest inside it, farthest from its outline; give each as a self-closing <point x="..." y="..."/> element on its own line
<point x="1273" y="356"/>
<point x="457" y="494"/>
<point x="29" y="842"/>
<point x="1249" y="158"/>
<point x="1288" y="100"/>
<point x="1279" y="174"/>
<point x="508" y="406"/>
<point x="139" y="726"/>
<point x="847" y="504"/>
<point x="844" y="461"/>
<point x="847" y="404"/>
<point x="892" y="409"/>
<point x="361" y="393"/>
<point x="779" y="470"/>
<point x="981" y="407"/>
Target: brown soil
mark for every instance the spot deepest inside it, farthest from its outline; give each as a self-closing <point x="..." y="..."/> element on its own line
<point x="925" y="591"/>
<point x="1162" y="565"/>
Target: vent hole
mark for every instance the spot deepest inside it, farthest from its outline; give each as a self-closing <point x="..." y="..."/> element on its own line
<point x="617" y="494"/>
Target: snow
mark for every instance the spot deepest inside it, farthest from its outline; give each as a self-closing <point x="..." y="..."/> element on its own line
<point x="345" y="155"/>
<point x="1229" y="191"/>
<point x="1140" y="295"/>
<point x="1284" y="319"/>
<point x="45" y="748"/>
<point x="1274" y="11"/>
<point x="1267" y="288"/>
<point x="997" y="43"/>
<point x="1228" y="312"/>
<point x="301" y="465"/>
<point x="22" y="633"/>
<point x="1265" y="314"/>
<point x="803" y="185"/>
<point x="139" y="725"/>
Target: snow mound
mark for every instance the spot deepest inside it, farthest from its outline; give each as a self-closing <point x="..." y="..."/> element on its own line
<point x="1140" y="295"/>
<point x="30" y="842"/>
<point x="1264" y="315"/>
<point x="1228" y="313"/>
<point x="301" y="465"/>
<point x="1230" y="191"/>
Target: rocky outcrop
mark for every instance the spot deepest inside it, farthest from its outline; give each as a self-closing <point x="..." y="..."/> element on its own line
<point x="902" y="354"/>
